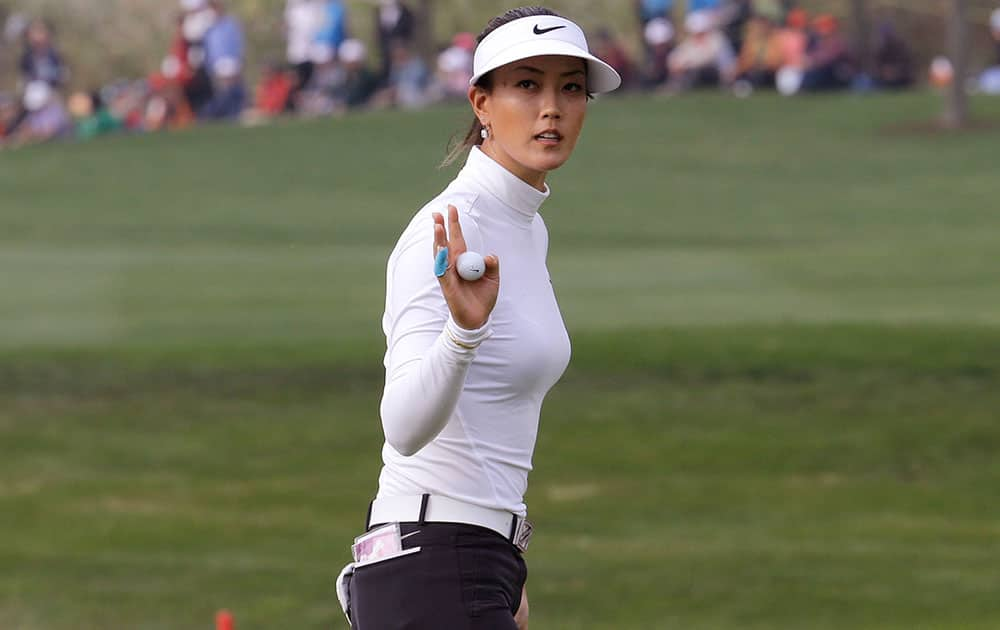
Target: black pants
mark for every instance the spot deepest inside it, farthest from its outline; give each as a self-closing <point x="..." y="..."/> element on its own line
<point x="463" y="578"/>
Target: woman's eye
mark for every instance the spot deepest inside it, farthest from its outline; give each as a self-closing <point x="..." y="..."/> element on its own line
<point x="573" y="87"/>
<point x="526" y="83"/>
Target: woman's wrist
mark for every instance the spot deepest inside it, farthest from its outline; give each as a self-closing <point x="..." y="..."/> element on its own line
<point x="466" y="338"/>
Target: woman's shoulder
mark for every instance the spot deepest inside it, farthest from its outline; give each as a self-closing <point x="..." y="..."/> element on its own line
<point x="463" y="200"/>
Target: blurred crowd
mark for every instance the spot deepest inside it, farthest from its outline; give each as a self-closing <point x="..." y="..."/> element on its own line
<point x="748" y="45"/>
<point x="735" y="45"/>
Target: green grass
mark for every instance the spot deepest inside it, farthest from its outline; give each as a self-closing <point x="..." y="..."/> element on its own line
<point x="782" y="409"/>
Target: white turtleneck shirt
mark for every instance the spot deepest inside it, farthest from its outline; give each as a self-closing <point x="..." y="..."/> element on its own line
<point x="462" y="422"/>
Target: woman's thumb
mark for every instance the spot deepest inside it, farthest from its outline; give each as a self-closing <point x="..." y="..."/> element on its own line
<point x="492" y="267"/>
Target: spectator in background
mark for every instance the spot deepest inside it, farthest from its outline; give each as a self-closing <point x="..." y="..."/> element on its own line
<point x="793" y="39"/>
<point x="610" y="51"/>
<point x="989" y="82"/>
<point x="454" y="68"/>
<point x="328" y="73"/>
<point x="648" y="10"/>
<point x="196" y="19"/>
<point x="359" y="82"/>
<point x="169" y="84"/>
<point x="697" y="6"/>
<point x="394" y="23"/>
<point x="166" y="107"/>
<point x="46" y="118"/>
<point x="10" y="113"/>
<point x="652" y="71"/>
<point x="760" y="58"/>
<point x="733" y="18"/>
<point x="317" y="97"/>
<point x="893" y="60"/>
<point x="995" y="31"/>
<point x="273" y="94"/>
<point x="126" y="101"/>
<point x="704" y="58"/>
<point x="333" y="30"/>
<point x="659" y="37"/>
<point x="303" y="23"/>
<point x="224" y="58"/>
<point x="828" y="63"/>
<point x="91" y="118"/>
<point x="228" y="91"/>
<point x="176" y="65"/>
<point x="224" y="37"/>
<point x="40" y="60"/>
<point x="409" y="82"/>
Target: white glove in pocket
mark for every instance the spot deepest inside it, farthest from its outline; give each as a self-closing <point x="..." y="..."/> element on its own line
<point x="344" y="589"/>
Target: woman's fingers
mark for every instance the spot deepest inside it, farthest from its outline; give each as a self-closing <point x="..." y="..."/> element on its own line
<point x="440" y="237"/>
<point x="456" y="241"/>
<point x="452" y="238"/>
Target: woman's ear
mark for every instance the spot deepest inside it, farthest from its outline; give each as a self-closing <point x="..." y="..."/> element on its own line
<point x="479" y="99"/>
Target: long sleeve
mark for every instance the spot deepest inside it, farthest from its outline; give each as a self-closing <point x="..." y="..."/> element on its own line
<point x="428" y="354"/>
<point x="461" y="408"/>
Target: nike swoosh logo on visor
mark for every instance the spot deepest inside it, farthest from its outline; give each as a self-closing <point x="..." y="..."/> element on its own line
<point x="542" y="31"/>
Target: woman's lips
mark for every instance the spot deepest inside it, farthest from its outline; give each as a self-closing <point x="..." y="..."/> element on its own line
<point x="550" y="138"/>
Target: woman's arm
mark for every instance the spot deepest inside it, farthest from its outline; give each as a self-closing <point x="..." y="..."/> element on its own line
<point x="421" y="394"/>
<point x="433" y="327"/>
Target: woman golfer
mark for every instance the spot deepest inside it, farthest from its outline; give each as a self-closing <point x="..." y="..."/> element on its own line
<point x="468" y="362"/>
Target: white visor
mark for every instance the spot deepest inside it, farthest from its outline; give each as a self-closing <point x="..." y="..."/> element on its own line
<point x="542" y="35"/>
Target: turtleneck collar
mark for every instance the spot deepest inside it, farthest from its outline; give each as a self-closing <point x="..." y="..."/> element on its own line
<point x="521" y="198"/>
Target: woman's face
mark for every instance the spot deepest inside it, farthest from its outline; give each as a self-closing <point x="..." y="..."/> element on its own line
<point x="535" y="112"/>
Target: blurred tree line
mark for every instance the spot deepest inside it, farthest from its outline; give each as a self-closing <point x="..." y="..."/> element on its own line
<point x="103" y="40"/>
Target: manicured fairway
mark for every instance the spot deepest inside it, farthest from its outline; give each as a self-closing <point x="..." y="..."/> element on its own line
<point x="783" y="409"/>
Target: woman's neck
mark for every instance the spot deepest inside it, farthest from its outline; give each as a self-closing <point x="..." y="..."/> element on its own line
<point x="535" y="179"/>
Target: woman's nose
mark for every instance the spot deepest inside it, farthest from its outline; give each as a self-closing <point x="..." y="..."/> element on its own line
<point x="550" y="106"/>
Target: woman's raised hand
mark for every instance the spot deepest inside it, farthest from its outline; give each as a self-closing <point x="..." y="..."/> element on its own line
<point x="470" y="302"/>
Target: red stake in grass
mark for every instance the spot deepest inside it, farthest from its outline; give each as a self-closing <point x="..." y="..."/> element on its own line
<point x="224" y="620"/>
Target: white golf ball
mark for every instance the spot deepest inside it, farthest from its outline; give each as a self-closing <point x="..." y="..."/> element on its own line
<point x="471" y="266"/>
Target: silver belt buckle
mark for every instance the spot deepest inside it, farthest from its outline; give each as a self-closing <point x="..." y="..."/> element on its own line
<point x="522" y="535"/>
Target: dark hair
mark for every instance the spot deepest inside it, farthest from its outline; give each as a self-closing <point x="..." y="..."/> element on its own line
<point x="474" y="137"/>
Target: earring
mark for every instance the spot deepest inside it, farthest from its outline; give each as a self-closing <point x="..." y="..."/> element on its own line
<point x="484" y="133"/>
